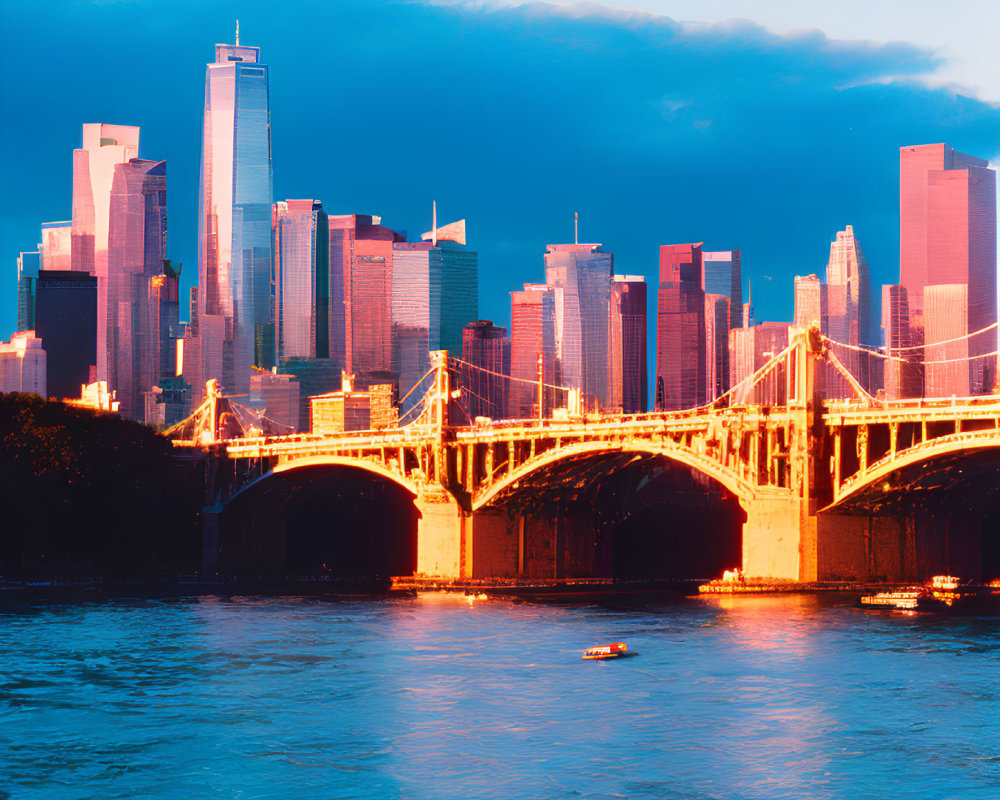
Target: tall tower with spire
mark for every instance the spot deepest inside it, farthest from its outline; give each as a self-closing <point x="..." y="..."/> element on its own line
<point x="232" y="327"/>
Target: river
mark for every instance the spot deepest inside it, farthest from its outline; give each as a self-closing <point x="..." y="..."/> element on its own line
<point x="441" y="696"/>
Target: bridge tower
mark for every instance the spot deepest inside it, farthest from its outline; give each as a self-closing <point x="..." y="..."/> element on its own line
<point x="779" y="535"/>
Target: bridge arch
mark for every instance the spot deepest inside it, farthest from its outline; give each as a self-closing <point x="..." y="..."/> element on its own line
<point x="324" y="521"/>
<point x="741" y="488"/>
<point x="931" y="450"/>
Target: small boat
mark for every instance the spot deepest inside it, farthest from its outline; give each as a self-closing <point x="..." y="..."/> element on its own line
<point x="606" y="651"/>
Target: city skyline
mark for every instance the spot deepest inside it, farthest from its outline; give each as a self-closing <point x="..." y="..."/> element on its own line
<point x="509" y="233"/>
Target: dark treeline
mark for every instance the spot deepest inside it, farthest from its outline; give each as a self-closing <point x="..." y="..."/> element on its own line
<point x="84" y="494"/>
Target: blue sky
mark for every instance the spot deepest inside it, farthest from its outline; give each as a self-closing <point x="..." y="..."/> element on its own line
<point x="656" y="132"/>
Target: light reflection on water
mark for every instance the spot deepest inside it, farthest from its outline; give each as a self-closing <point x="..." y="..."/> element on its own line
<point x="794" y="696"/>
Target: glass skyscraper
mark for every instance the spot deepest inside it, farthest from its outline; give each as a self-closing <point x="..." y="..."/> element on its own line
<point x="486" y="349"/>
<point x="583" y="273"/>
<point x="66" y="322"/>
<point x="137" y="236"/>
<point x="532" y="337"/>
<point x="27" y="275"/>
<point x="722" y="275"/>
<point x="628" y="344"/>
<point x="680" y="333"/>
<point x="302" y="279"/>
<point x="234" y="222"/>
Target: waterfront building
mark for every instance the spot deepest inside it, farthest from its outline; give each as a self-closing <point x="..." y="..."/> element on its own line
<point x="27" y="275"/>
<point x="235" y="322"/>
<point x="532" y="350"/>
<point x="361" y="253"/>
<point x="66" y="321"/>
<point x="137" y="235"/>
<point x="717" y="318"/>
<point x="722" y="275"/>
<point x="680" y="335"/>
<point x="581" y="274"/>
<point x="486" y="349"/>
<point x="302" y="280"/>
<point x="315" y="376"/>
<point x="56" y="246"/>
<point x="947" y="219"/>
<point x="628" y="371"/>
<point x="22" y="364"/>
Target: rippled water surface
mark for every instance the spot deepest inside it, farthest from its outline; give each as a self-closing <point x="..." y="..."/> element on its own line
<point x="442" y="697"/>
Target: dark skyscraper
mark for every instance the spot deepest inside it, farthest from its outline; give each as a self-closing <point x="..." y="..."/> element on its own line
<point x="66" y="321"/>
<point x="484" y="384"/>
<point x="27" y="276"/>
<point x="628" y="369"/>
<point x="680" y="337"/>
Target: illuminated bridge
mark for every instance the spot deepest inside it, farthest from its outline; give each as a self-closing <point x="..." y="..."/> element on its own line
<point x="807" y="490"/>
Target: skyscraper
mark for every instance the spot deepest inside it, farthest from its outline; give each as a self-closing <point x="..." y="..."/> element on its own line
<point x="532" y="340"/>
<point x="302" y="279"/>
<point x="628" y="371"/>
<point x="361" y="256"/>
<point x="582" y="273"/>
<point x="717" y="318"/>
<point x="722" y="275"/>
<point x="947" y="236"/>
<point x="234" y="224"/>
<point x="104" y="147"/>
<point x="66" y="322"/>
<point x="849" y="292"/>
<point x="459" y="276"/>
<point x="680" y="340"/>
<point x="27" y="275"/>
<point x="903" y="377"/>
<point x="810" y="302"/>
<point x="137" y="235"/>
<point x="486" y="349"/>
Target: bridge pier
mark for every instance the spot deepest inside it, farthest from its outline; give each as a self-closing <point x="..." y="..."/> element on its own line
<point x="443" y="536"/>
<point x="779" y="536"/>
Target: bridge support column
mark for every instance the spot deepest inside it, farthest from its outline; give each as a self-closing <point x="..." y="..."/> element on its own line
<point x="779" y="537"/>
<point x="444" y="541"/>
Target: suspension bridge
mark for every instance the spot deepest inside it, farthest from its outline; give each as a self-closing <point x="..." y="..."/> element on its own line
<point x="829" y="489"/>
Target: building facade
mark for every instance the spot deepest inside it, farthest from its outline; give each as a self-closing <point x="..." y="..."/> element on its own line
<point x="628" y="363"/>
<point x="723" y="275"/>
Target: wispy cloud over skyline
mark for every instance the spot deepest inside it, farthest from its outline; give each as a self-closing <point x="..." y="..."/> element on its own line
<point x="656" y="131"/>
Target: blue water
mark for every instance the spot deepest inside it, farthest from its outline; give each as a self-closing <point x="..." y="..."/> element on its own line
<point x="443" y="697"/>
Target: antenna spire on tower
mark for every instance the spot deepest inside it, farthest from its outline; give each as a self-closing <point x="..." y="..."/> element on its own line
<point x="237" y="32"/>
<point x="576" y="227"/>
<point x="434" y="222"/>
